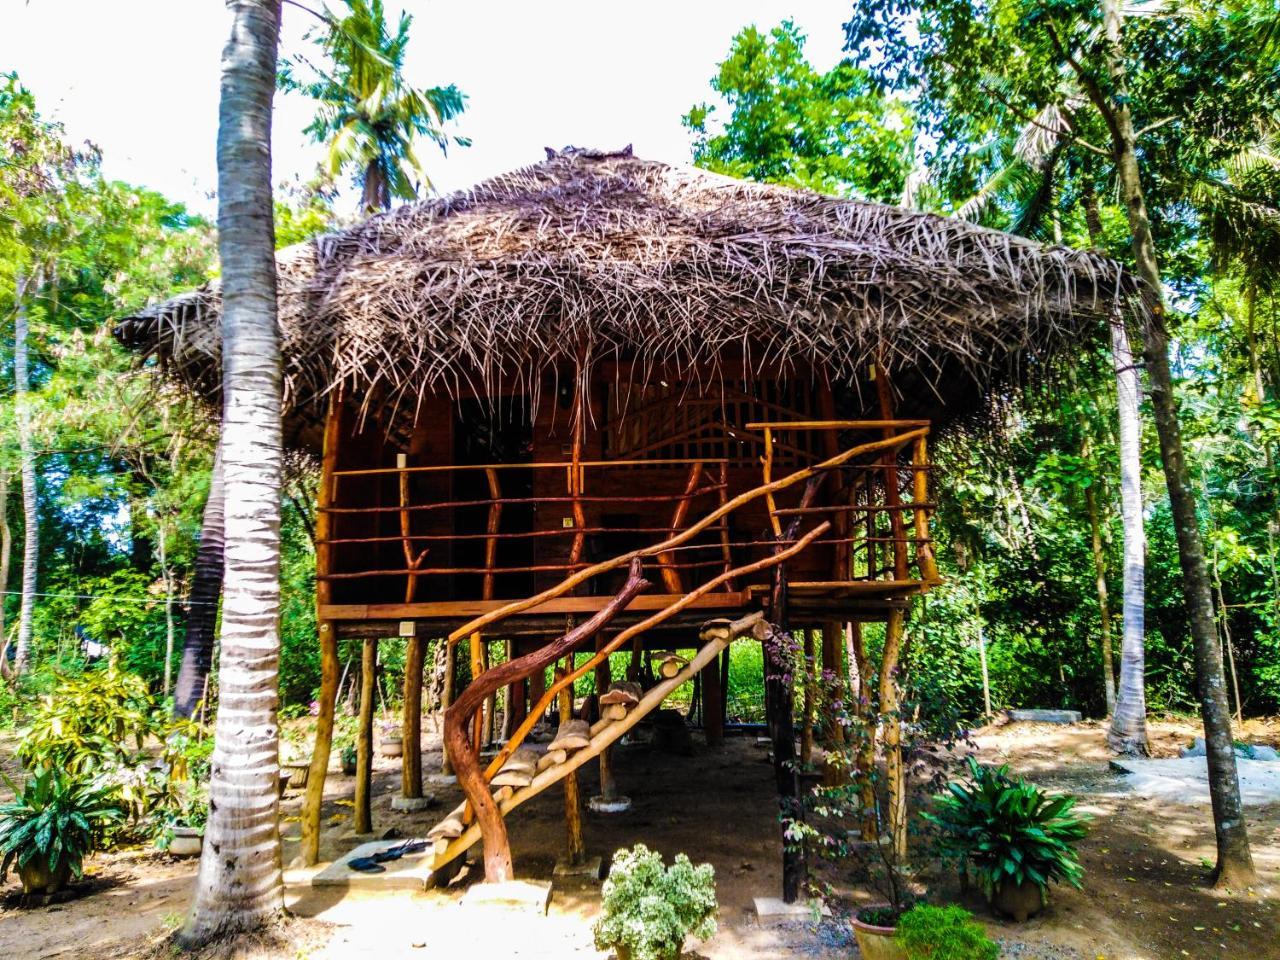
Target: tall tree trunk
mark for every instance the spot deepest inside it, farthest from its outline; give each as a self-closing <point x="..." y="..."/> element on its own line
<point x="6" y="553"/>
<point x="169" y="626"/>
<point x="1104" y="605"/>
<point x="239" y="886"/>
<point x="1128" y="731"/>
<point x="206" y="588"/>
<point x="30" y="511"/>
<point x="1235" y="861"/>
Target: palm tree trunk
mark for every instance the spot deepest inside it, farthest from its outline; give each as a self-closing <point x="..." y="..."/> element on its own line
<point x="1128" y="731"/>
<point x="239" y="886"/>
<point x="170" y="627"/>
<point x="27" y="457"/>
<point x="206" y="588"/>
<point x="1235" y="861"/>
<point x="1104" y="605"/>
<point x="6" y="553"/>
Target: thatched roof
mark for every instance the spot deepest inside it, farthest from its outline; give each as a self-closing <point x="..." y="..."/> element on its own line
<point x="587" y="256"/>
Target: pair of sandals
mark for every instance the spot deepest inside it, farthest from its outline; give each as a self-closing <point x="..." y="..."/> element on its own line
<point x="374" y="864"/>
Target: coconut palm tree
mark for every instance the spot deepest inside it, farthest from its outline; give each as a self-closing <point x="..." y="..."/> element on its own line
<point x="369" y="115"/>
<point x="206" y="590"/>
<point x="239" y="885"/>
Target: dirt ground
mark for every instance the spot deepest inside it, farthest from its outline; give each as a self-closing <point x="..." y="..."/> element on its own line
<point x="1145" y="896"/>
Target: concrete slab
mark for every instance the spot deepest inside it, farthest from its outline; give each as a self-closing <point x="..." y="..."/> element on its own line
<point x="1186" y="779"/>
<point x="412" y="804"/>
<point x="1045" y="716"/>
<point x="410" y="872"/>
<point x="770" y="910"/>
<point x="588" y="869"/>
<point x="514" y="896"/>
<point x="616" y="805"/>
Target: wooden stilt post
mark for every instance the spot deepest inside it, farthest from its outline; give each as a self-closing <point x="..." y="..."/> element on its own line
<point x="603" y="677"/>
<point x="865" y="754"/>
<point x="477" y="669"/>
<point x="328" y="699"/>
<point x="447" y="696"/>
<point x="329" y="673"/>
<point x="411" y="725"/>
<point x="780" y="713"/>
<point x="490" y="705"/>
<point x="537" y="688"/>
<point x="363" y="813"/>
<point x="834" y="668"/>
<point x="810" y="705"/>
<point x="724" y="683"/>
<point x="892" y="724"/>
<point x="713" y="705"/>
<point x="575" y="850"/>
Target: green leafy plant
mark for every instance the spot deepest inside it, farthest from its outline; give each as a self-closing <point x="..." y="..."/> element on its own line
<point x="54" y="821"/>
<point x="1009" y="831"/>
<point x="650" y="908"/>
<point x="943" y="933"/>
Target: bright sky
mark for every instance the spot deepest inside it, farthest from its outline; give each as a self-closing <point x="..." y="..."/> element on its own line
<point x="140" y="77"/>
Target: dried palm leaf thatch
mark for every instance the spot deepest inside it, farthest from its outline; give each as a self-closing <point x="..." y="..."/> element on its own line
<point x="590" y="256"/>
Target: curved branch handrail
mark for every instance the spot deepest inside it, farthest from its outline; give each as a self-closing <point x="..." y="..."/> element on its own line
<point x="462" y="754"/>
<point x="564" y="586"/>
<point x="531" y="718"/>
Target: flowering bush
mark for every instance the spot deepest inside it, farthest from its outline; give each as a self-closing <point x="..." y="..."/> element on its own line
<point x="650" y="908"/>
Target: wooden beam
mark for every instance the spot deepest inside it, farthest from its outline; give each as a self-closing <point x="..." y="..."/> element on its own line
<point x="560" y="605"/>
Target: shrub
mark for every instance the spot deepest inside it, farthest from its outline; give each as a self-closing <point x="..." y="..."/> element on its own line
<point x="649" y="908"/>
<point x="1009" y="831"/>
<point x="944" y="933"/>
<point x="54" y="821"/>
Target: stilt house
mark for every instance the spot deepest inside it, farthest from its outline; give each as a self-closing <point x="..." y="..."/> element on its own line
<point x="527" y="396"/>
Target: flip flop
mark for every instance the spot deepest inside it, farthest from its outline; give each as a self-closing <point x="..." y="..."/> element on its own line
<point x="366" y="865"/>
<point x="396" y="852"/>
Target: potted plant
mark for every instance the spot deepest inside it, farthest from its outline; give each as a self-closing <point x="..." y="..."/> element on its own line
<point x="51" y="825"/>
<point x="649" y="908"/>
<point x="943" y="933"/>
<point x="390" y="741"/>
<point x="183" y="834"/>
<point x="875" y="927"/>
<point x="1015" y="836"/>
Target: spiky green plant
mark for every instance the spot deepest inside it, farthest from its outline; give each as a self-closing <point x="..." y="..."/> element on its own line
<point x="55" y="819"/>
<point x="1009" y="831"/>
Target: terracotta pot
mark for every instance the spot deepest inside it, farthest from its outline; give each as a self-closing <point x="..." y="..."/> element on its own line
<point x="1018" y="900"/>
<point x="391" y="747"/>
<point x="186" y="842"/>
<point x="876" y="943"/>
<point x="38" y="878"/>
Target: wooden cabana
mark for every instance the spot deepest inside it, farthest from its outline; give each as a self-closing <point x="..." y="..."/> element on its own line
<point x="606" y="404"/>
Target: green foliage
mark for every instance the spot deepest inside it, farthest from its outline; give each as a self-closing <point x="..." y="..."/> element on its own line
<point x="943" y="933"/>
<point x="788" y="123"/>
<point x="649" y="909"/>
<point x="1009" y="831"/>
<point x="55" y="816"/>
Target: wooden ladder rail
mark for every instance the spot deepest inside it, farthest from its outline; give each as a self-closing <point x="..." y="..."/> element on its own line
<point x="603" y="735"/>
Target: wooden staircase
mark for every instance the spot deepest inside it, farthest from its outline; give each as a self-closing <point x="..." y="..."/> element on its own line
<point x="452" y="841"/>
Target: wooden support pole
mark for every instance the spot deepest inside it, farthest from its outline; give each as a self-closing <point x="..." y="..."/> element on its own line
<point x="575" y="848"/>
<point x="477" y="671"/>
<point x="362" y="816"/>
<point x="724" y="683"/>
<point x="712" y="705"/>
<point x="411" y="723"/>
<point x="810" y="706"/>
<point x="780" y="718"/>
<point x="328" y="700"/>
<point x="925" y="559"/>
<point x="833" y="669"/>
<point x="864" y="730"/>
<point x="490" y="705"/>
<point x="329" y="672"/>
<point x="603" y="677"/>
<point x="891" y="722"/>
<point x="447" y="697"/>
<point x="537" y="690"/>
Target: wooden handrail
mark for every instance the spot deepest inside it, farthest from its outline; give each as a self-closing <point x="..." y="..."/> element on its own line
<point x="532" y="717"/>
<point x="535" y="465"/>
<point x="834" y="424"/>
<point x="466" y="759"/>
<point x="518" y="606"/>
